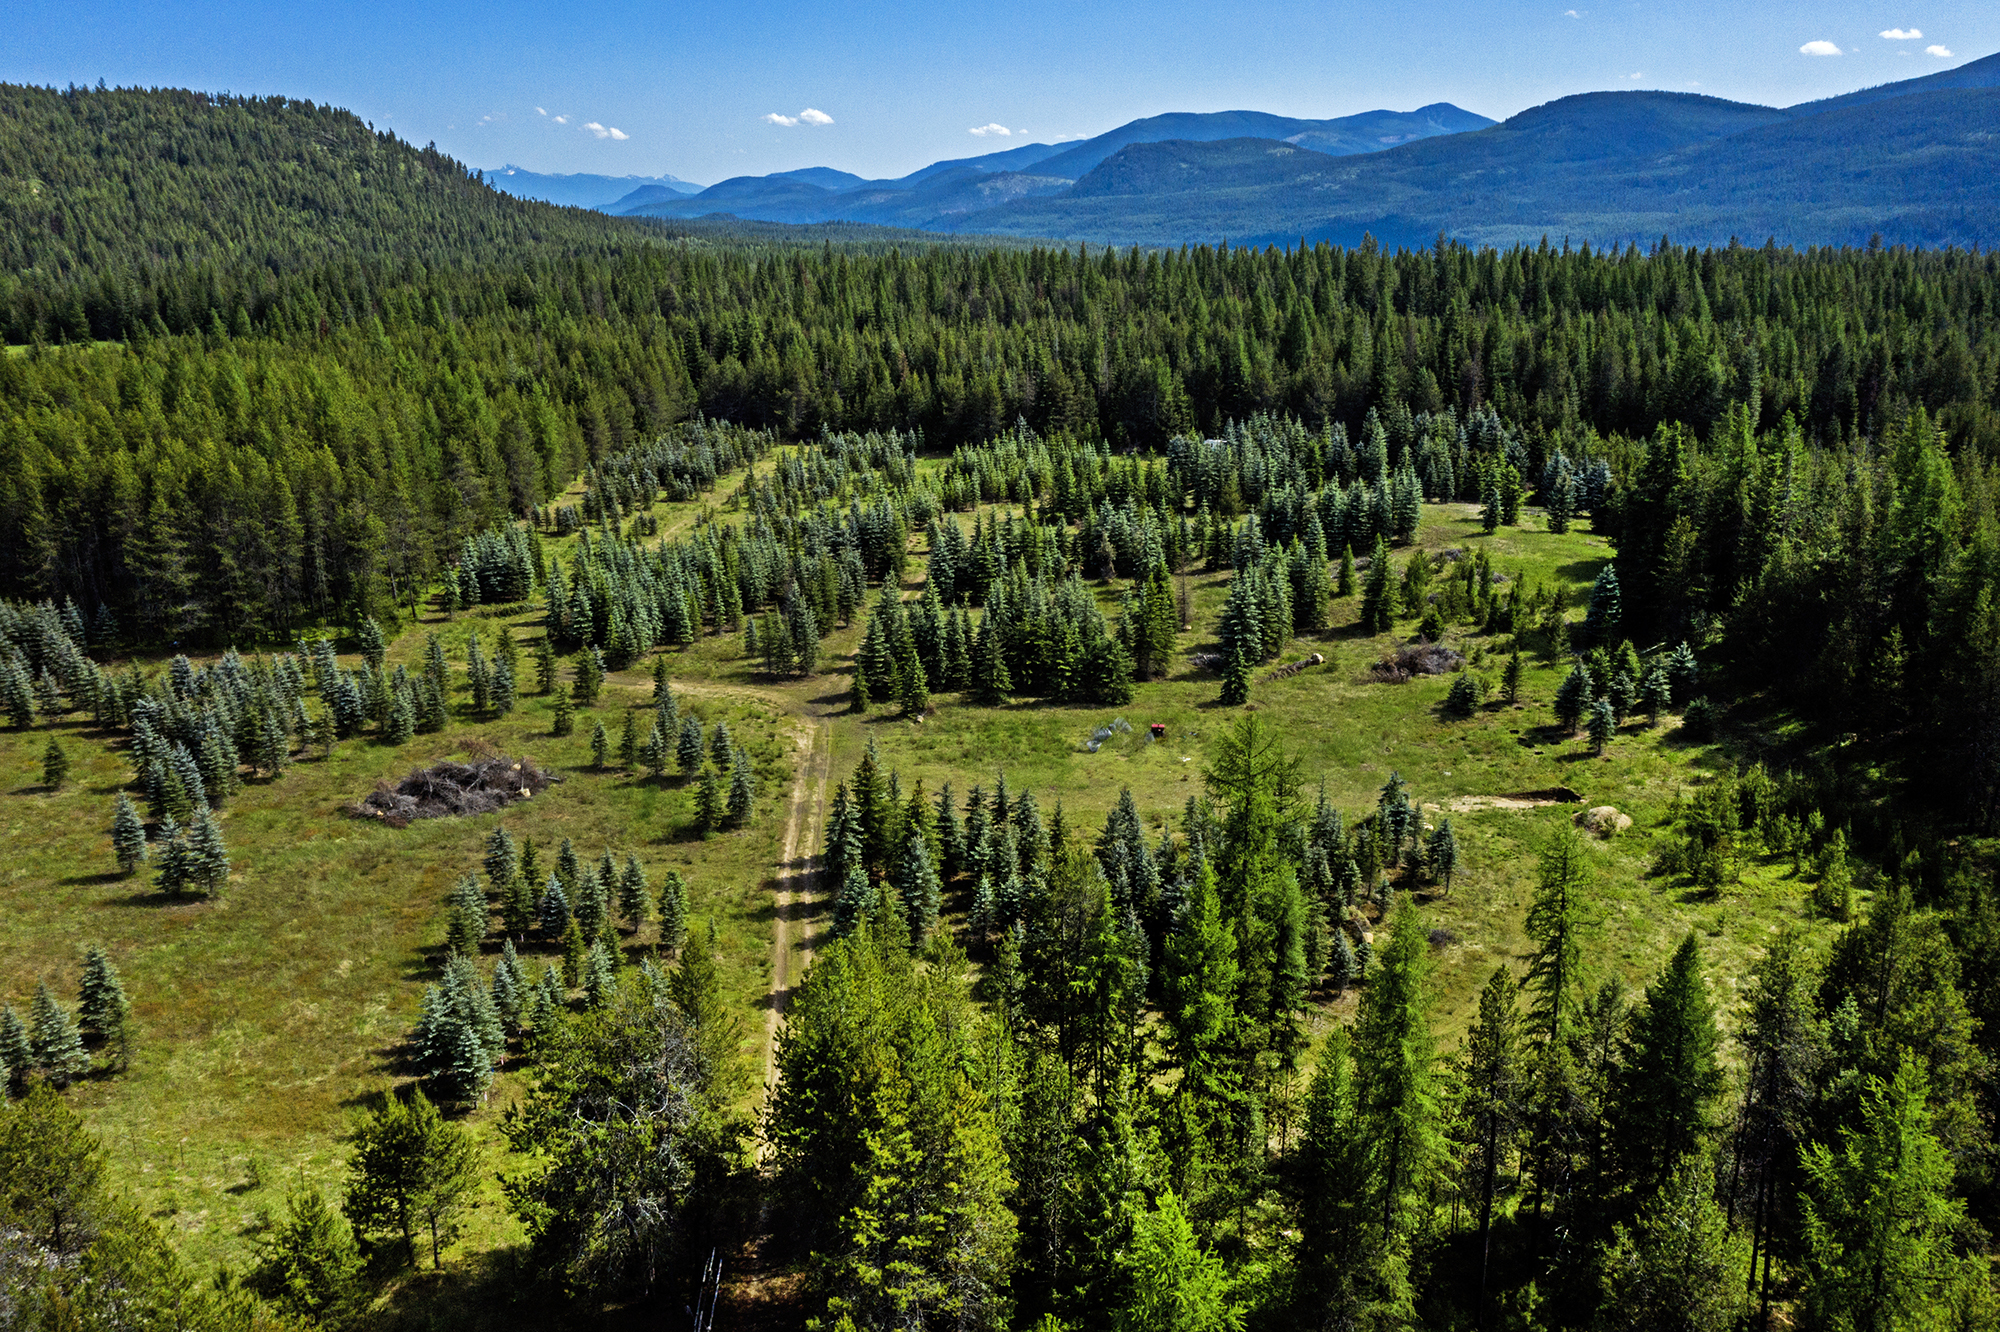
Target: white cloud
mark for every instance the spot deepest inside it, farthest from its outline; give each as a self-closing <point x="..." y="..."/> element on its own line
<point x="1572" y="13"/>
<point x="996" y="130"/>
<point x="540" y="112"/>
<point x="1635" y="76"/>
<point x="1941" y="52"/>
<point x="809" y="116"/>
<point x="560" y="120"/>
<point x="606" y="131"/>
<point x="1900" y="34"/>
<point x="1819" y="49"/>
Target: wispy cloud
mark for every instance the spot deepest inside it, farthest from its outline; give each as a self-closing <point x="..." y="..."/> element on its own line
<point x="1573" y="13"/>
<point x="994" y="130"/>
<point x="1941" y="52"/>
<point x="606" y="131"/>
<point x="560" y="120"/>
<point x="540" y="112"/>
<point x="1635" y="76"/>
<point x="1820" y="48"/>
<point x="1900" y="34"/>
<point x="809" y="116"/>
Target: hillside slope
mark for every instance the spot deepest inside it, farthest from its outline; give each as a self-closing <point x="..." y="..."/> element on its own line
<point x="94" y="184"/>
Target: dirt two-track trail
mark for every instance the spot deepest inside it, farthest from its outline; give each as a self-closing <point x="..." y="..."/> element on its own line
<point x="795" y="881"/>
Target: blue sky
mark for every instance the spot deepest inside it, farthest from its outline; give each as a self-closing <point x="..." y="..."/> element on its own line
<point x="702" y="88"/>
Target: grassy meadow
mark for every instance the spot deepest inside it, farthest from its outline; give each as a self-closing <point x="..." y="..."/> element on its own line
<point x="266" y="1018"/>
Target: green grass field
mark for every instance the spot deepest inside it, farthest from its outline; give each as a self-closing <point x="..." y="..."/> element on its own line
<point x="265" y="1019"/>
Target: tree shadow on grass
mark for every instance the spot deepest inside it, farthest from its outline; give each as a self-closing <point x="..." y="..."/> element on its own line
<point x="84" y="880"/>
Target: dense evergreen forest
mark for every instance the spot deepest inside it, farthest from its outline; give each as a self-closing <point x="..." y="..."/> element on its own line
<point x="277" y="379"/>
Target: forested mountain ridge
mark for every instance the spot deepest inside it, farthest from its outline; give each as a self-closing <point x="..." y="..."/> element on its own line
<point x="113" y="201"/>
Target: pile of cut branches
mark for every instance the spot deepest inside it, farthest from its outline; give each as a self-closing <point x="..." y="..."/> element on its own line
<point x="488" y="781"/>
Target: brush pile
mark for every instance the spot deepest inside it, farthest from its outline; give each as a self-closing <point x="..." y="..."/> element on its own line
<point x="452" y="790"/>
<point x="1414" y="660"/>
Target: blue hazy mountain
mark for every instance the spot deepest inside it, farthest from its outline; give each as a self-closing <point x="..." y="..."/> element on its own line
<point x="1915" y="161"/>
<point x="583" y="190"/>
<point x="952" y="189"/>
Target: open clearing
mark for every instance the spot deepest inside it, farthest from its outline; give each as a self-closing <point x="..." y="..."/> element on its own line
<point x="264" y="1020"/>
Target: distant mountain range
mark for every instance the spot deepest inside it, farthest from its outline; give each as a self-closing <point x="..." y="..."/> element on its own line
<point x="586" y="191"/>
<point x="937" y="196"/>
<point x="1916" y="161"/>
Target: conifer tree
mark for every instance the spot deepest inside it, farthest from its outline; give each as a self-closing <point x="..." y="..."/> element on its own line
<point x="104" y="1013"/>
<point x="1174" y="1282"/>
<point x="1671" y="1078"/>
<point x="1490" y="1104"/>
<point x="917" y="884"/>
<point x="1674" y="1269"/>
<point x="589" y="676"/>
<point x="600" y="747"/>
<point x="1378" y="595"/>
<point x="502" y="861"/>
<point x="689" y="749"/>
<point x="1441" y="855"/>
<point x="465" y="925"/>
<point x="1510" y="680"/>
<point x="1603" y="725"/>
<point x="545" y="665"/>
<point x="634" y="896"/>
<point x="742" y="790"/>
<point x="55" y="765"/>
<point x="673" y="911"/>
<point x="654" y="756"/>
<point x="55" y="1044"/>
<point x="1555" y="926"/>
<point x="628" y="742"/>
<point x="412" y="1171"/>
<point x="1605" y="619"/>
<point x="128" y="836"/>
<point x="1345" y="586"/>
<point x="563" y="714"/>
<point x="552" y="911"/>
<point x="1573" y="698"/>
<point x="574" y="954"/>
<point x="308" y="1264"/>
<point x="207" y="859"/>
<point x="600" y="975"/>
<point x="1200" y="984"/>
<point x="402" y="720"/>
<point x="1235" y="680"/>
<point x="503" y="692"/>
<point x="17" y="1052"/>
<point x="708" y="806"/>
<point x="1655" y="694"/>
<point x="1880" y="1215"/>
<point x="1346" y="1271"/>
<point x="991" y="680"/>
<point x="1395" y="1079"/>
